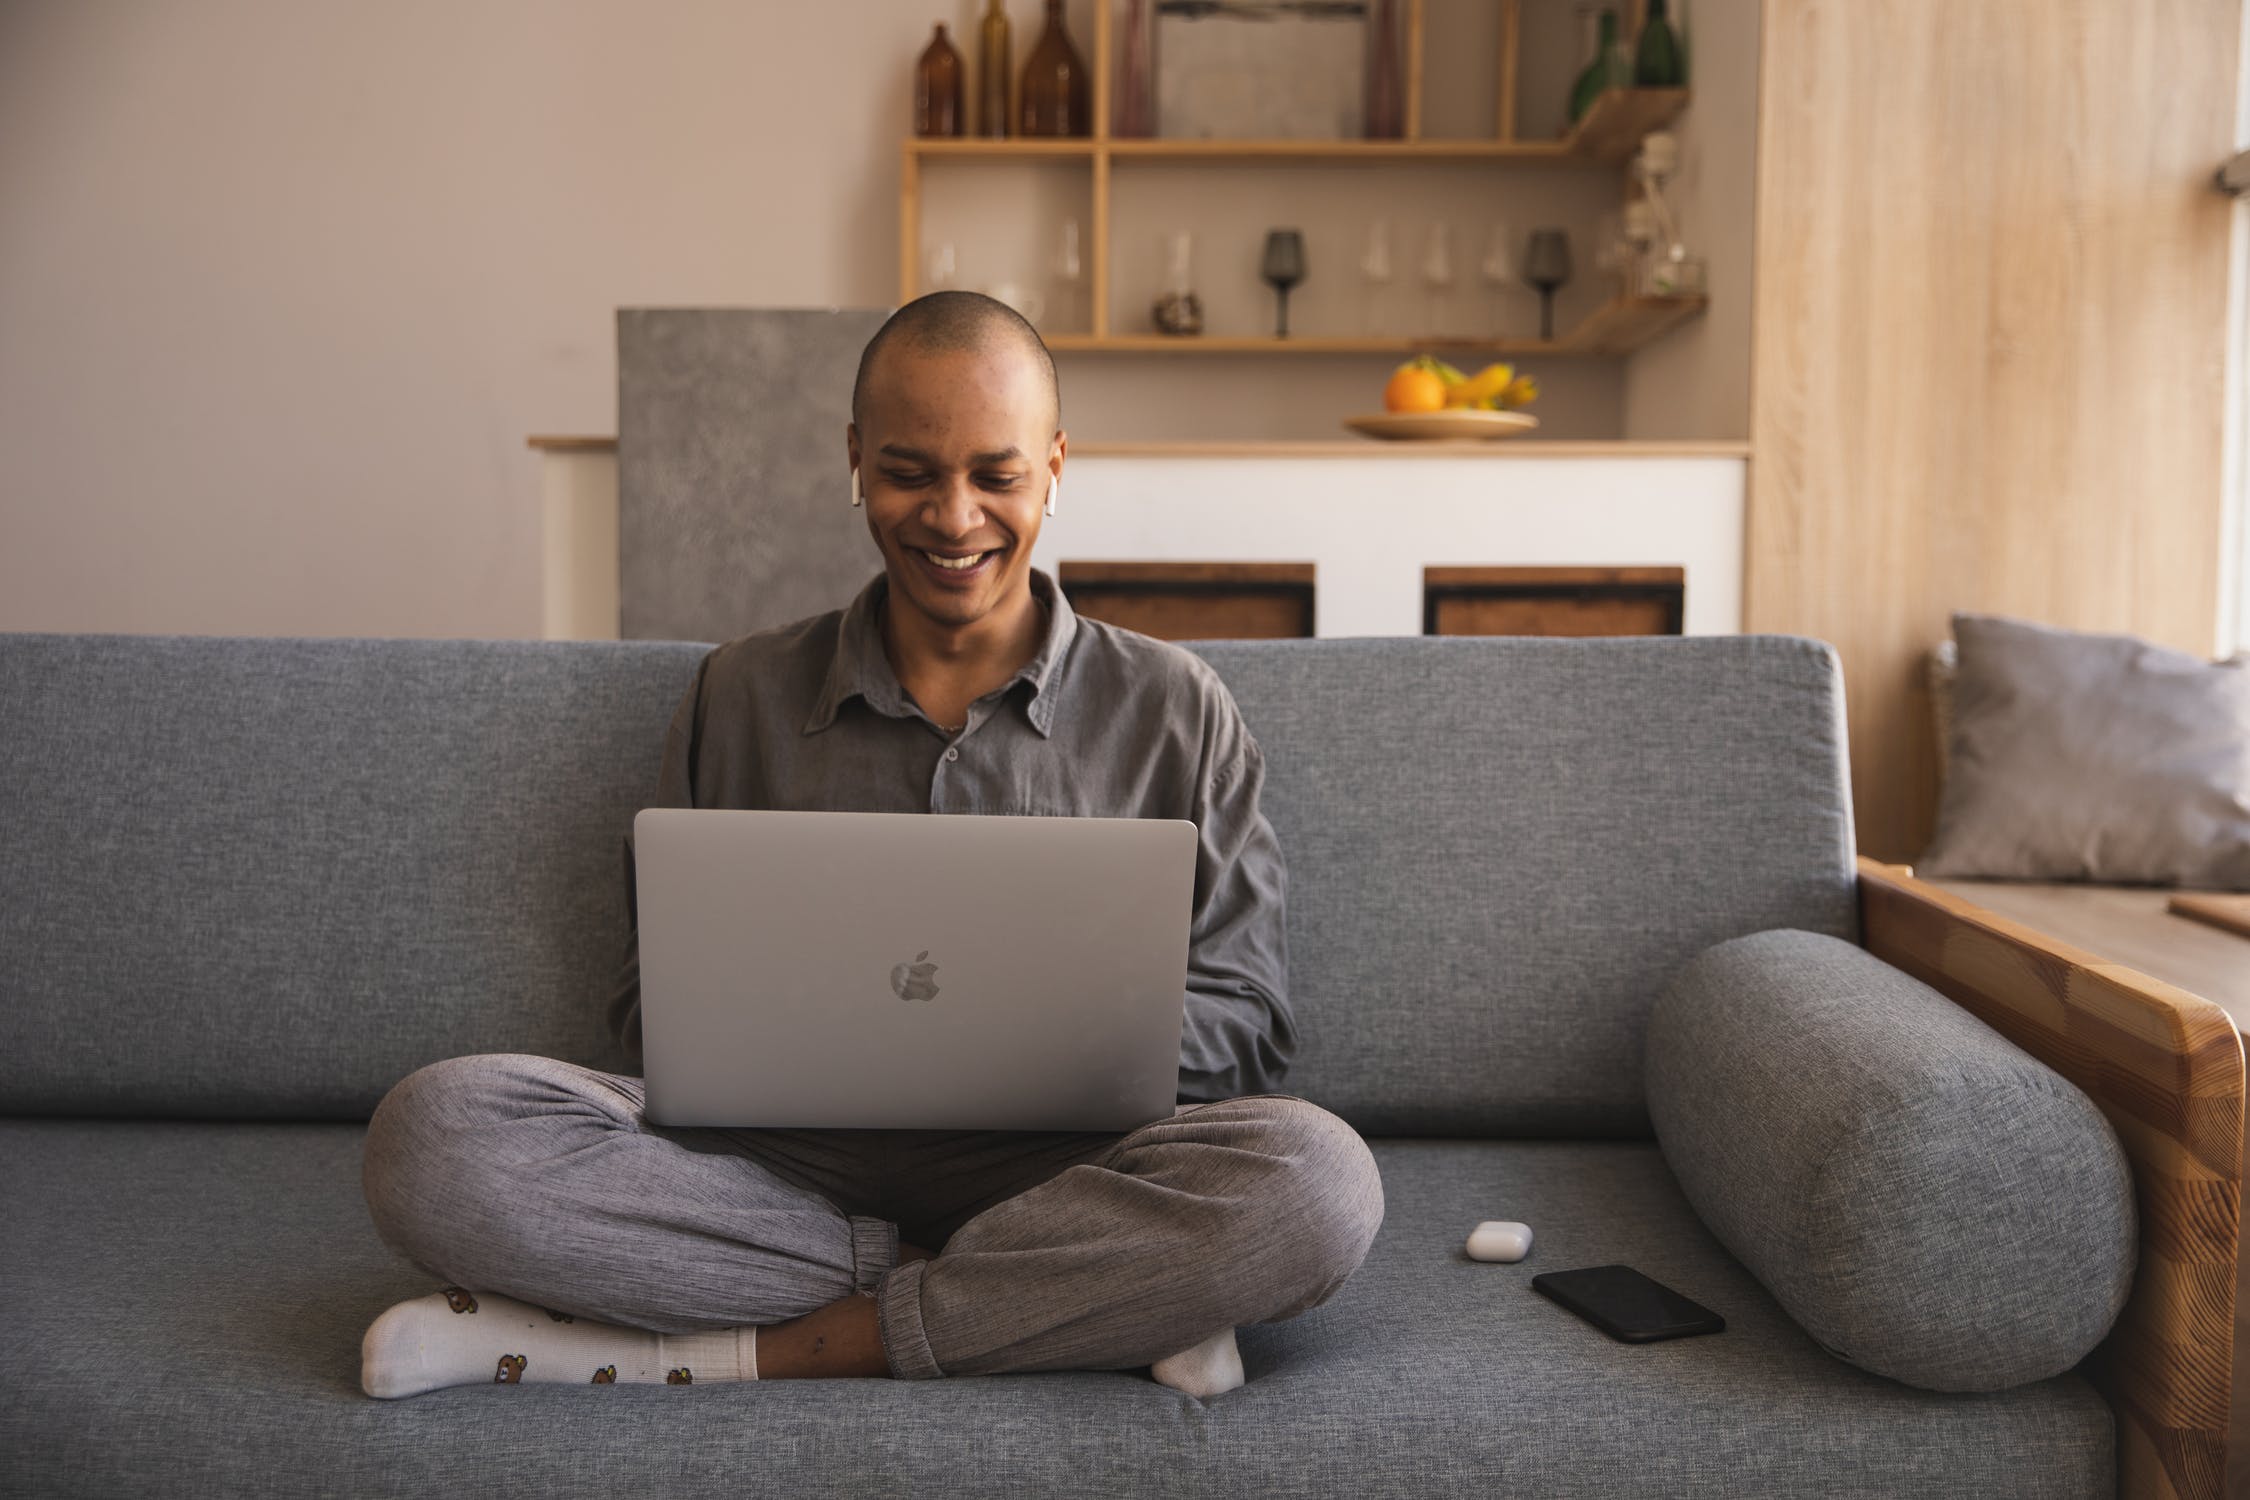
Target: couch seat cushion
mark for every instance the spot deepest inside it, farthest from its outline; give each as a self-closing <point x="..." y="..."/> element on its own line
<point x="184" y="1303"/>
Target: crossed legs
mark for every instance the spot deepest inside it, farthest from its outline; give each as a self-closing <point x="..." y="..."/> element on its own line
<point x="540" y="1182"/>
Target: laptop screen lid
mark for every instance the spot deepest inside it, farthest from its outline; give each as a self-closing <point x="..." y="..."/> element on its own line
<point x="915" y="971"/>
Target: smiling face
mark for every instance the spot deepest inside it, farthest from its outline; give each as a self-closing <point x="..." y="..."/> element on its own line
<point x="954" y="459"/>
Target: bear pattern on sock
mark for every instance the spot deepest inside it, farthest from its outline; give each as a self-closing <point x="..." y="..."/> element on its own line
<point x="402" y="1356"/>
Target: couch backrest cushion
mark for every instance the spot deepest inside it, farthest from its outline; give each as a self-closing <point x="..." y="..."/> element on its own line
<point x="271" y="877"/>
<point x="1500" y="849"/>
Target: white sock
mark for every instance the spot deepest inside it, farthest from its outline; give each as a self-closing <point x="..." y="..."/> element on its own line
<point x="1211" y="1367"/>
<point x="460" y="1337"/>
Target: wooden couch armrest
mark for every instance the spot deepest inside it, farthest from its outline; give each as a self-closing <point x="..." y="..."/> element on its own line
<point x="2166" y="1067"/>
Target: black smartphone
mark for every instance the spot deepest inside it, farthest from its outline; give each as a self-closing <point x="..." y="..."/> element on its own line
<point x="1627" y="1305"/>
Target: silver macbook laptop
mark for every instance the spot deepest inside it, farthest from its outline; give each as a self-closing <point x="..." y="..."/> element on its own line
<point x="919" y="971"/>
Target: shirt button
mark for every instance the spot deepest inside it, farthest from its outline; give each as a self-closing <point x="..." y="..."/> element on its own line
<point x="953" y="752"/>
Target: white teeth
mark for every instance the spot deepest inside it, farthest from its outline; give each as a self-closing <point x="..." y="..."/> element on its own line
<point x="956" y="564"/>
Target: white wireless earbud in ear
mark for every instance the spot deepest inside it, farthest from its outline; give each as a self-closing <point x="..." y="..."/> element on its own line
<point x="858" y="494"/>
<point x="1052" y="486"/>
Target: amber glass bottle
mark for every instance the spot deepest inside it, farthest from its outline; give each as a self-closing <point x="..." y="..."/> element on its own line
<point x="937" y="88"/>
<point x="1056" y="90"/>
<point x="996" y="72"/>
<point x="1385" y="118"/>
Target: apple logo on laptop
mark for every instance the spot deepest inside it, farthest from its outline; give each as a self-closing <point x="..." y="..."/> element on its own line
<point x="917" y="980"/>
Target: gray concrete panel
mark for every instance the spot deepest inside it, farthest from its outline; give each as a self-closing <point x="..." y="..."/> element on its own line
<point x="733" y="490"/>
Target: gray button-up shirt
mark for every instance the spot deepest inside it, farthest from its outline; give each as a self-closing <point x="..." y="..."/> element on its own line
<point x="1102" y="722"/>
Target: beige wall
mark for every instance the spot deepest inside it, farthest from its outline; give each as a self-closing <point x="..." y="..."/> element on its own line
<point x="283" y="286"/>
<point x="1695" y="381"/>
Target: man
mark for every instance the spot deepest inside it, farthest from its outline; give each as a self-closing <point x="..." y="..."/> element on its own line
<point x="585" y="1244"/>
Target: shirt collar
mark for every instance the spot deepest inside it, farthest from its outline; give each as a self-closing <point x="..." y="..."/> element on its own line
<point x="860" y="667"/>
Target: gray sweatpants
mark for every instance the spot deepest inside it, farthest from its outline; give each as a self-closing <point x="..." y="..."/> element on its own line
<point x="541" y="1180"/>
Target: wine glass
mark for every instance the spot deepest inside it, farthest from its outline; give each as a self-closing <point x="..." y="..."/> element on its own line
<point x="1546" y="266"/>
<point x="1437" y="274"/>
<point x="1282" y="268"/>
<point x="1375" y="268"/>
<point x="942" y="269"/>
<point x="1070" y="271"/>
<point x="1498" y="270"/>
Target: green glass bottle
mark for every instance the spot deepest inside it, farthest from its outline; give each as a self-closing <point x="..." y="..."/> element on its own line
<point x="1657" y="65"/>
<point x="1596" y="77"/>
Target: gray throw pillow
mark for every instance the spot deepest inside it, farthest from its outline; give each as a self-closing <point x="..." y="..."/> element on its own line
<point x="1925" y="1198"/>
<point x="2078" y="756"/>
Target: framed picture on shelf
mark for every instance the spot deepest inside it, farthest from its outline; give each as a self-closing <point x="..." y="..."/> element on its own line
<point x="1261" y="69"/>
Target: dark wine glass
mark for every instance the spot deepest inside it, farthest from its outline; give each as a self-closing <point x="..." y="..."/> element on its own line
<point x="1283" y="268"/>
<point x="1546" y="266"/>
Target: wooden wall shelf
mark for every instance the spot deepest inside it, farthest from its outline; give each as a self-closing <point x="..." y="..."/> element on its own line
<point x="1609" y="132"/>
<point x="1616" y="327"/>
<point x="1623" y="324"/>
<point x="940" y="147"/>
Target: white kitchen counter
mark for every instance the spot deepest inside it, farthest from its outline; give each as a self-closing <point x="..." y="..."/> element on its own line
<point x="1369" y="516"/>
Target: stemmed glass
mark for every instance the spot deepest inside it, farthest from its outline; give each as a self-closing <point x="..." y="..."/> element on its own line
<point x="1070" y="272"/>
<point x="942" y="269"/>
<point x="1437" y="274"/>
<point x="1546" y="266"/>
<point x="1375" y="267"/>
<point x="1282" y="268"/>
<point x="1498" y="270"/>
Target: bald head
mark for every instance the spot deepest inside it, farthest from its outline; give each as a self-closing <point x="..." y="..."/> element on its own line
<point x="949" y="322"/>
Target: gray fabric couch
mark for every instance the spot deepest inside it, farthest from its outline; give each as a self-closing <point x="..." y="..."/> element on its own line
<point x="251" y="883"/>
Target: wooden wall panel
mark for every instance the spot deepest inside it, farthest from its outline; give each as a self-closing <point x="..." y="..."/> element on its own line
<point x="1989" y="339"/>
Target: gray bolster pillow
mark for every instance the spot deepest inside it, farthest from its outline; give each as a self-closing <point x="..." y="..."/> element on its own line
<point x="1926" y="1199"/>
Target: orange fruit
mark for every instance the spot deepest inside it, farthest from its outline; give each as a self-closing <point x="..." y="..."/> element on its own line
<point x="1413" y="389"/>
